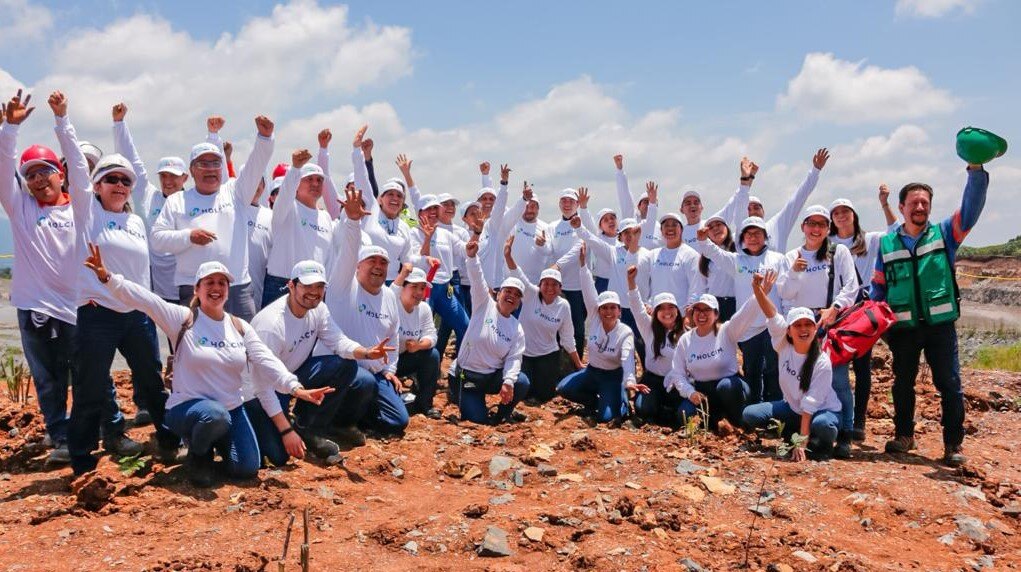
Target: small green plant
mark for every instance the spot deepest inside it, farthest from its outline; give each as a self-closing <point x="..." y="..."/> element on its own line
<point x="784" y="448"/>
<point x="16" y="377"/>
<point x="697" y="426"/>
<point x="1006" y="358"/>
<point x="133" y="464"/>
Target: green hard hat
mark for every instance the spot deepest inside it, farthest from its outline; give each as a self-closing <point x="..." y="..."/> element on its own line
<point x="978" y="146"/>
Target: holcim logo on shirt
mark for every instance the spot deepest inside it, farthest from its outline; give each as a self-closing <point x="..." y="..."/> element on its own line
<point x="300" y="339"/>
<point x="43" y="221"/>
<point x="790" y="370"/>
<point x="313" y="226"/>
<point x="254" y="224"/>
<point x="219" y="344"/>
<point x="155" y="212"/>
<point x="195" y="211"/>
<point x="112" y="225"/>
<point x="706" y="355"/>
<point x="363" y="309"/>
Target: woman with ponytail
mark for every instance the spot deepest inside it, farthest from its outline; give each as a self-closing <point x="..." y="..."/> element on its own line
<point x="719" y="283"/>
<point x="806" y="379"/>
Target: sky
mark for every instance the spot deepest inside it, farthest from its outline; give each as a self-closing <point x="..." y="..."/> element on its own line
<point x="555" y="89"/>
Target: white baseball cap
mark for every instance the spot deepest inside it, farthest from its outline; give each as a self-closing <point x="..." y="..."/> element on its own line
<point x="753" y="222"/>
<point x="447" y="197"/>
<point x="841" y="203"/>
<point x="368" y="251"/>
<point x="569" y="193"/>
<point x="663" y="298"/>
<point x="626" y="224"/>
<point x="416" y="276"/>
<point x="714" y="218"/>
<point x="466" y="206"/>
<point x="608" y="297"/>
<point x="311" y="170"/>
<point x="483" y="192"/>
<point x="670" y="216"/>
<point x="276" y="184"/>
<point x="309" y="272"/>
<point x="212" y="267"/>
<point x="756" y="200"/>
<point x="817" y="210"/>
<point x="115" y="163"/>
<point x="173" y="165"/>
<point x="205" y="149"/>
<point x="512" y="282"/>
<point x="604" y="212"/>
<point x="427" y="201"/>
<point x="691" y="193"/>
<point x="800" y="313"/>
<point x="91" y="152"/>
<point x="708" y="300"/>
<point x="551" y="273"/>
<point x="391" y="185"/>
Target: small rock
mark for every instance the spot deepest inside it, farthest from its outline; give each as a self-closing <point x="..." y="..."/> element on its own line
<point x="107" y="529"/>
<point x="567" y="549"/>
<point x="14" y="432"/>
<point x="472" y="472"/>
<point x="615" y="517"/>
<point x="972" y="528"/>
<point x="691" y="492"/>
<point x="634" y="486"/>
<point x="518" y="476"/>
<point x="806" y="556"/>
<point x="494" y="543"/>
<point x="539" y="452"/>
<point x="534" y="533"/>
<point x="689" y="565"/>
<point x="779" y="567"/>
<point x="546" y="470"/>
<point x="983" y="563"/>
<point x="686" y="467"/>
<point x="397" y="473"/>
<point x="716" y="485"/>
<point x="475" y="510"/>
<point x="326" y="492"/>
<point x="499" y="463"/>
<point x="502" y="499"/>
<point x="947" y="539"/>
<point x="660" y="533"/>
<point x="573" y="477"/>
<point x="454" y="469"/>
<point x="582" y="442"/>
<point x="619" y="551"/>
<point x="1013" y="510"/>
<point x="762" y="510"/>
<point x="411" y="548"/>
<point x="965" y="492"/>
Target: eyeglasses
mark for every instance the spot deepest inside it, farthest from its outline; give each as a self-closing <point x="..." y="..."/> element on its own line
<point x="817" y="224"/>
<point x="44" y="172"/>
<point x="212" y="164"/>
<point x="117" y="180"/>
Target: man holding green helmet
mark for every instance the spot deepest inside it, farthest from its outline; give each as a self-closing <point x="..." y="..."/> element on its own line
<point x="915" y="274"/>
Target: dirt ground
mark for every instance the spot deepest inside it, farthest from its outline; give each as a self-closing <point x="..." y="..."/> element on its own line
<point x="588" y="498"/>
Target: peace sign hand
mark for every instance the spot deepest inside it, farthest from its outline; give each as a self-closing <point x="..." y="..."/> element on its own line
<point x="95" y="263"/>
<point x="16" y="111"/>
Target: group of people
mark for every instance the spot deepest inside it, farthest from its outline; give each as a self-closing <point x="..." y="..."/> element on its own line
<point x="334" y="295"/>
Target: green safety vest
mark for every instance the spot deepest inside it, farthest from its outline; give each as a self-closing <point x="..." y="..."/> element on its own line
<point x="920" y="286"/>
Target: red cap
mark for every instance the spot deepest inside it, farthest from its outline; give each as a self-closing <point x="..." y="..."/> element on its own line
<point x="280" y="170"/>
<point x="38" y="155"/>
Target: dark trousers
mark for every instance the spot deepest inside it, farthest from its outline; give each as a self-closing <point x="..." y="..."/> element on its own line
<point x="629" y="320"/>
<point x="101" y="332"/>
<point x="601" y="391"/>
<point x="465" y="292"/>
<point x="50" y="353"/>
<point x="448" y="307"/>
<point x="601" y="284"/>
<point x="578" y="316"/>
<point x="473" y="399"/>
<point x="207" y="426"/>
<point x="543" y="375"/>
<point x="728" y="307"/>
<point x="862" y="388"/>
<point x="761" y="370"/>
<point x="939" y="343"/>
<point x="272" y="288"/>
<point x="425" y="364"/>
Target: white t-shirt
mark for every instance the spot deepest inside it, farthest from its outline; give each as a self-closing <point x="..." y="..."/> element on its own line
<point x="492" y="341"/>
<point x="300" y="232"/>
<point x="712" y="357"/>
<point x="122" y="240"/>
<point x="565" y="245"/>
<point x="606" y="350"/>
<point x="444" y="246"/>
<point x="260" y="240"/>
<point x="415" y="325"/>
<point x="808" y="288"/>
<point x="866" y="264"/>
<point x="619" y="257"/>
<point x="657" y="365"/>
<point x="543" y="322"/>
<point x="820" y="395"/>
<point x="673" y="270"/>
<point x="530" y="258"/>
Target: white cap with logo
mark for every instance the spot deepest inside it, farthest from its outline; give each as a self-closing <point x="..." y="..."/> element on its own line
<point x="309" y="272"/>
<point x="212" y="267"/>
<point x="416" y="276"/>
<point x="370" y="250"/>
<point x="205" y="149"/>
<point x="551" y="273"/>
<point x="795" y="315"/>
<point x="173" y="165"/>
<point x="608" y="297"/>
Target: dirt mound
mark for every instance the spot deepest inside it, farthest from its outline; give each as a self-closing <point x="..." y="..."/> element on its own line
<point x="549" y="493"/>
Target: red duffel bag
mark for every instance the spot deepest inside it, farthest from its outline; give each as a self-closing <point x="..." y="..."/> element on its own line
<point x="856" y="329"/>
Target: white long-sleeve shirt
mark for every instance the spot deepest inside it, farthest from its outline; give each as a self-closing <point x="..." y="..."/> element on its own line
<point x="718" y="283"/>
<point x="673" y="270"/>
<point x="221" y="212"/>
<point x="300" y="232"/>
<point x="779" y="226"/>
<point x="606" y="350"/>
<point x="392" y="234"/>
<point x="44" y="239"/>
<point x="331" y="197"/>
<point x="213" y="356"/>
<point x="657" y="365"/>
<point x="415" y="325"/>
<point x="732" y="213"/>
<point x="566" y="245"/>
<point x="444" y="246"/>
<point x="492" y="341"/>
<point x="741" y="266"/>
<point x="542" y="323"/>
<point x="367" y="318"/>
<point x="460" y="262"/>
<point x="495" y="231"/>
<point x="292" y="340"/>
<point x="629" y="209"/>
<point x="867" y="263"/>
<point x="531" y="258"/>
<point x="808" y="288"/>
<point x="619" y="257"/>
<point x="711" y="357"/>
<point x="260" y="240"/>
<point x="148" y="198"/>
<point x="820" y="395"/>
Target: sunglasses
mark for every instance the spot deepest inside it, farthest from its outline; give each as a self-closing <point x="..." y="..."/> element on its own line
<point x="44" y="172"/>
<point x="117" y="180"/>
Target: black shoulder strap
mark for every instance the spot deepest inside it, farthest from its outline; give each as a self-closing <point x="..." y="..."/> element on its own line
<point x="832" y="277"/>
<point x="188" y="323"/>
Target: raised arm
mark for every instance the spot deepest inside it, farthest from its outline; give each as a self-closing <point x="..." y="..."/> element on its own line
<point x="331" y="198"/>
<point x="973" y="200"/>
<point x="15" y="111"/>
<point x="284" y="208"/>
<point x="722" y="258"/>
<point x="737" y="206"/>
<point x="624" y="198"/>
<point x="79" y="183"/>
<point x="252" y="172"/>
<point x="480" y="288"/>
<point x="532" y="291"/>
<point x="588" y="286"/>
<point x="738" y="324"/>
<point x="634" y="299"/>
<point x="125" y="145"/>
<point x="783" y="221"/>
<point x="404" y="165"/>
<point x="361" y="173"/>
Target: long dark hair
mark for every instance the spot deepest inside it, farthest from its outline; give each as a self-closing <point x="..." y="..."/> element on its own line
<point x="858" y="246"/>
<point x="660" y="335"/>
<point x="805" y="375"/>
<point x="824" y="250"/>
<point x="727" y="244"/>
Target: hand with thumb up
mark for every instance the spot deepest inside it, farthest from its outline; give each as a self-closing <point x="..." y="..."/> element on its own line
<point x="800" y="264"/>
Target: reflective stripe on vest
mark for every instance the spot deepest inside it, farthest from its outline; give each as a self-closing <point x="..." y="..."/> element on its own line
<point x="920" y="286"/>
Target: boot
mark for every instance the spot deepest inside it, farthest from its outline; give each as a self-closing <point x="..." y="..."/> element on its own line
<point x="843" y="448"/>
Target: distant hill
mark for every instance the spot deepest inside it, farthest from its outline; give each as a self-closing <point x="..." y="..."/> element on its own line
<point x="1010" y="248"/>
<point x="6" y="242"/>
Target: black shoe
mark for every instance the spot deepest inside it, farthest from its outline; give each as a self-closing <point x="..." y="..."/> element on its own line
<point x="319" y="446"/>
<point x="350" y="436"/>
<point x="169" y="454"/>
<point x="200" y="469"/>
<point x="142" y="418"/>
<point x="843" y="448"/>
<point x="819" y="451"/>
<point x="123" y="446"/>
<point x="858" y="434"/>
<point x="59" y="455"/>
<point x="953" y="457"/>
<point x="433" y="413"/>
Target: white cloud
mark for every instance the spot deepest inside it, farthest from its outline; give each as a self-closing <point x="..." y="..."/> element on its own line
<point x="846" y="92"/>
<point x="23" y="22"/>
<point x="933" y="8"/>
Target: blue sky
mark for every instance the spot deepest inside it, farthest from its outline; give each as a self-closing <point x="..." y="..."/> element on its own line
<point x="682" y="88"/>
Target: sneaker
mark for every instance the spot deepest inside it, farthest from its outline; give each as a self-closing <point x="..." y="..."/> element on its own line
<point x="900" y="445"/>
<point x="953" y="457"/>
<point x="142" y="418"/>
<point x="517" y="417"/>
<point x="319" y="446"/>
<point x="843" y="448"/>
<point x="59" y="455"/>
<point x="200" y="470"/>
<point x="350" y="436"/>
<point x="433" y="413"/>
<point x="169" y="454"/>
<point x="858" y="434"/>
<point x="123" y="446"/>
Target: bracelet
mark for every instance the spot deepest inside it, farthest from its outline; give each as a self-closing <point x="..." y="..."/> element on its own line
<point x="504" y="183"/>
<point x="748" y="178"/>
<point x="107" y="279"/>
<point x="286" y="431"/>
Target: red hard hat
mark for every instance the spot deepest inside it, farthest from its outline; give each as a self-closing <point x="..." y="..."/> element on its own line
<point x="38" y="155"/>
<point x="280" y="170"/>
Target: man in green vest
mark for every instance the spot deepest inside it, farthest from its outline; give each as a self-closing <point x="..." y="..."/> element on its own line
<point x="915" y="275"/>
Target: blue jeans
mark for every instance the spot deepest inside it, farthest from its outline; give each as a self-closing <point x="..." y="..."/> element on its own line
<point x="465" y="293"/>
<point x="543" y="372"/>
<point x="386" y="412"/>
<point x="650" y="406"/>
<point x="100" y="332"/>
<point x="601" y="284"/>
<point x="761" y="370"/>
<point x="726" y="399"/>
<point x="473" y="400"/>
<point x="207" y="425"/>
<point x="822" y="430"/>
<point x="50" y="353"/>
<point x="728" y="307"/>
<point x="599" y="390"/>
<point x="578" y="315"/>
<point x="842" y="387"/>
<point x="425" y="364"/>
<point x="272" y="288"/>
<point x="240" y="302"/>
<point x="448" y="307"/>
<point x="862" y="388"/>
<point x="629" y="320"/>
<point x="939" y="342"/>
<point x="267" y="436"/>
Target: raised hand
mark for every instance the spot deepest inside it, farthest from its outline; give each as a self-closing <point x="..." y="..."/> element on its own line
<point x="367" y="146"/>
<point x="119" y="111"/>
<point x="540" y="239"/>
<point x="884" y="194"/>
<point x="264" y="125"/>
<point x="820" y="158"/>
<point x="618" y="161"/>
<point x="15" y="111"/>
<point x="58" y="103"/>
<point x="632" y="277"/>
<point x="352" y="204"/>
<point x="228" y="150"/>
<point x="748" y="168"/>
<point x="379" y="351"/>
<point x="214" y="123"/>
<point x="300" y="157"/>
<point x="527" y="193"/>
<point x="359" y="135"/>
<point x="94" y="262"/>
<point x="652" y="191"/>
<point x="764" y="282"/>
<point x="505" y="172"/>
<point x="325" y="136"/>
<point x="428" y="228"/>
<point x="583" y="198"/>
<point x="405" y="270"/>
<point x="404" y="165"/>
<point x="484" y="167"/>
<point x="471" y="248"/>
<point x="702" y="233"/>
<point x="800" y="264"/>
<point x="575" y="222"/>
